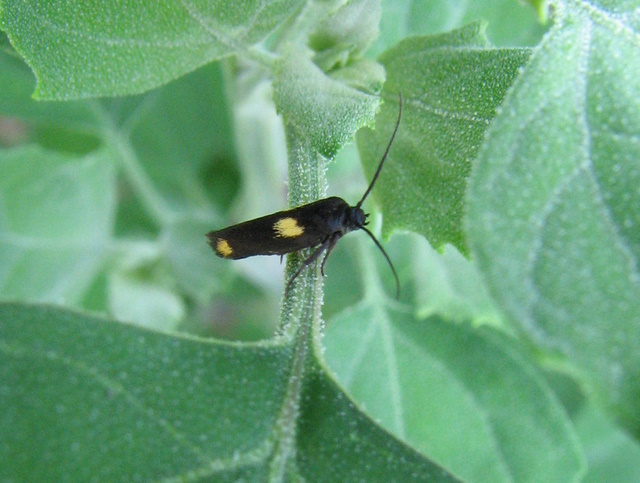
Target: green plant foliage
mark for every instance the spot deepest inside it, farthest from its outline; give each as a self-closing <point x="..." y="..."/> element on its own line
<point x="128" y="130"/>
<point x="554" y="206"/>
<point x="611" y="452"/>
<point x="57" y="215"/>
<point x="133" y="397"/>
<point x="103" y="49"/>
<point x="346" y="33"/>
<point x="505" y="439"/>
<point x="322" y="110"/>
<point x="330" y="424"/>
<point x="452" y="85"/>
<point x="65" y="215"/>
<point x="508" y="23"/>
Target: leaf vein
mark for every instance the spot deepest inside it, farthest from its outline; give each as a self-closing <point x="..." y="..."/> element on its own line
<point x="205" y="24"/>
<point x="617" y="23"/>
<point x="447" y="114"/>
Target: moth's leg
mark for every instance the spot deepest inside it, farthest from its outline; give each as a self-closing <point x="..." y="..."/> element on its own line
<point x="317" y="252"/>
<point x="332" y="243"/>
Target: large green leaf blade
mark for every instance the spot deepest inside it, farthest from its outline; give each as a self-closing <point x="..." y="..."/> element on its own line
<point x="93" y="48"/>
<point x="84" y="398"/>
<point x="430" y="382"/>
<point x="555" y="206"/>
<point x="451" y="85"/>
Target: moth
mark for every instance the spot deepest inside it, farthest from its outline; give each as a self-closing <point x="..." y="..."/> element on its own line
<point x="316" y="225"/>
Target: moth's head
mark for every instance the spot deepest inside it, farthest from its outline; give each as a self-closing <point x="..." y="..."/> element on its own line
<point x="357" y="218"/>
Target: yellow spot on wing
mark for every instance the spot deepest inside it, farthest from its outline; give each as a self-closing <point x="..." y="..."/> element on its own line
<point x="288" y="228"/>
<point x="223" y="248"/>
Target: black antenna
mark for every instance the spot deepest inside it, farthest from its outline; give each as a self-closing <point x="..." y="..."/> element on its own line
<point x="373" y="181"/>
<point x="384" y="157"/>
<point x="388" y="260"/>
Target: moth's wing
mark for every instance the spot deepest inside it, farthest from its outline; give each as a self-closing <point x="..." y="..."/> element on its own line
<point x="280" y="233"/>
<point x="246" y="239"/>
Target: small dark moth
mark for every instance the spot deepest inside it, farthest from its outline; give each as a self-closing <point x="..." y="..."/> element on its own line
<point x="319" y="224"/>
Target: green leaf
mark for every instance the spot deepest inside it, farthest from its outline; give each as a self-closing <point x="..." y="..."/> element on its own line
<point x="340" y="443"/>
<point x="451" y="85"/>
<point x="141" y="129"/>
<point x="612" y="454"/>
<point x="362" y="74"/>
<point x="56" y="216"/>
<point x="509" y="23"/>
<point x="163" y="207"/>
<point x="192" y="266"/>
<point x="321" y="110"/>
<point x="432" y="283"/>
<point x="430" y="382"/>
<point x="260" y="143"/>
<point x="145" y="302"/>
<point x="346" y="33"/>
<point x="16" y="86"/>
<point x="447" y="284"/>
<point x="554" y="205"/>
<point x="176" y="133"/>
<point x="95" y="48"/>
<point x="86" y="398"/>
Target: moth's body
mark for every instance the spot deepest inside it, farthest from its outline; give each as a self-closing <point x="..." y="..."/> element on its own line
<point x="288" y="231"/>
